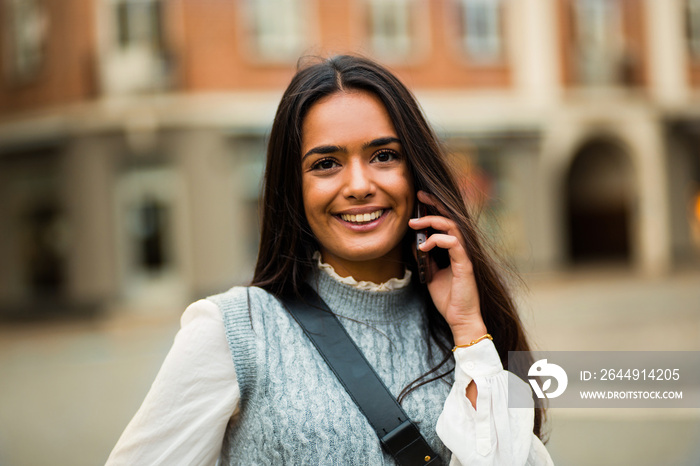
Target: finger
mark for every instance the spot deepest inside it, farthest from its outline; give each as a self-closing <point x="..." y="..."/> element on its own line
<point x="459" y="259"/>
<point x="433" y="201"/>
<point x="440" y="224"/>
<point x="436" y="222"/>
<point x="444" y="241"/>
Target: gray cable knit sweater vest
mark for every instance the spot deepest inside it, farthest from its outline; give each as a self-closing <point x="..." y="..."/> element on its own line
<point x="293" y="410"/>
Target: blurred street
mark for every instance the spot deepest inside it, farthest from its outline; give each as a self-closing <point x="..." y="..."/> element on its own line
<point x="608" y="310"/>
<point x="68" y="389"/>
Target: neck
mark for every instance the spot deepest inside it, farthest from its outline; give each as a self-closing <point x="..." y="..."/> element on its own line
<point x="377" y="271"/>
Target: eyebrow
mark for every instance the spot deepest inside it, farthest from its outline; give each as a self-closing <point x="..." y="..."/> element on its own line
<point x="381" y="142"/>
<point x="332" y="149"/>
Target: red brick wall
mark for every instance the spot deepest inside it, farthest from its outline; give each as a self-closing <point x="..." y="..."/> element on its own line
<point x="209" y="43"/>
<point x="214" y="54"/>
<point x="67" y="73"/>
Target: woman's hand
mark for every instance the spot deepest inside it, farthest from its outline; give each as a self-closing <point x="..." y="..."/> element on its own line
<point x="453" y="289"/>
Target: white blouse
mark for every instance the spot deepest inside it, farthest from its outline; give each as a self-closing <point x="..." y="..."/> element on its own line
<point x="195" y="395"/>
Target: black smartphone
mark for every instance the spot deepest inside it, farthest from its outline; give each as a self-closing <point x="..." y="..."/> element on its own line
<point x="422" y="256"/>
<point x="439" y="255"/>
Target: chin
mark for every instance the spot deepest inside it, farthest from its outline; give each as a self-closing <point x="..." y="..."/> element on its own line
<point x="364" y="254"/>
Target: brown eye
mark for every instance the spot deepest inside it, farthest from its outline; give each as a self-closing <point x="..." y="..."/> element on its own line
<point x="325" y="164"/>
<point x="385" y="156"/>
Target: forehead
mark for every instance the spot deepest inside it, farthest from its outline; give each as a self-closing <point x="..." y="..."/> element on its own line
<point x="346" y="118"/>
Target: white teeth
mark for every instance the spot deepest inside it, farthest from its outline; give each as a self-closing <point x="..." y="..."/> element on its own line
<point x="362" y="218"/>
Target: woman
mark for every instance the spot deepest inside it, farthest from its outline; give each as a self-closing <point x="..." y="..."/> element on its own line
<point x="349" y="156"/>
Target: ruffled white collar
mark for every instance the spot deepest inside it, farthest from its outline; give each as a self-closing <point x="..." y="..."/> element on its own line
<point x="391" y="285"/>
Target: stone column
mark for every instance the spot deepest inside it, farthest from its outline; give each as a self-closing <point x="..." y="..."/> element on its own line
<point x="668" y="76"/>
<point x="653" y="229"/>
<point x="88" y="177"/>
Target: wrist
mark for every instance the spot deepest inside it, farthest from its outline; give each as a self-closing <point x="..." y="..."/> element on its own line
<point x="464" y="334"/>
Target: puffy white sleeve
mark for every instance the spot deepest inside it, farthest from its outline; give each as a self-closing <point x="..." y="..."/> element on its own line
<point x="492" y="434"/>
<point x="195" y="394"/>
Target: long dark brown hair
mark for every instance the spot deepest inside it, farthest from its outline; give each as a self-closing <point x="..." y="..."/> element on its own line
<point x="287" y="243"/>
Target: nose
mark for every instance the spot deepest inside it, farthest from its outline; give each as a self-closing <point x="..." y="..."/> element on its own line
<point x="358" y="181"/>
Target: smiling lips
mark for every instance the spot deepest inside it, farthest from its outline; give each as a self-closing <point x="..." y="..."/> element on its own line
<point x="362" y="218"/>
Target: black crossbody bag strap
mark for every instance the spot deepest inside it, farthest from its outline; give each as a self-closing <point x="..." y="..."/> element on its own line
<point x="398" y="435"/>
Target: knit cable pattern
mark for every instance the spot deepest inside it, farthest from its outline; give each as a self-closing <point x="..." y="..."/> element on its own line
<point x="293" y="409"/>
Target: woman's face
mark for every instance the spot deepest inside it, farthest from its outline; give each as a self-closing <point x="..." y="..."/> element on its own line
<point x="357" y="190"/>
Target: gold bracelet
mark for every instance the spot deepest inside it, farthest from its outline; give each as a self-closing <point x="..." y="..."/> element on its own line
<point x="473" y="342"/>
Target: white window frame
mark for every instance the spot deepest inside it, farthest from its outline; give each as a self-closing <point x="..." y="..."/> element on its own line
<point x="277" y="29"/>
<point x="600" y="44"/>
<point x="392" y="28"/>
<point x="481" y="30"/>
<point x="140" y="26"/>
<point x="26" y="27"/>
<point x="138" y="284"/>
<point x="140" y="63"/>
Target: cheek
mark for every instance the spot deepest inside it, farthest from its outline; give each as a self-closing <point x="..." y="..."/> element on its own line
<point x="316" y="197"/>
<point x="402" y="187"/>
<point x="319" y="188"/>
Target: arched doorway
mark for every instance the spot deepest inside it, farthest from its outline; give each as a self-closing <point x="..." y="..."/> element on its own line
<point x="599" y="195"/>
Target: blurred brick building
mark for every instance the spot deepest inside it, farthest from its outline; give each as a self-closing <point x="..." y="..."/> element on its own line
<point x="132" y="132"/>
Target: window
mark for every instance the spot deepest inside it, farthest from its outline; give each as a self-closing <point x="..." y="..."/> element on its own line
<point x="43" y="241"/>
<point x="391" y="28"/>
<point x="481" y="29"/>
<point x="146" y="205"/>
<point x="136" y="57"/>
<point x="139" y="23"/>
<point x="149" y="234"/>
<point x="277" y="28"/>
<point x="26" y="26"/>
<point x="693" y="28"/>
<point x="599" y="42"/>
